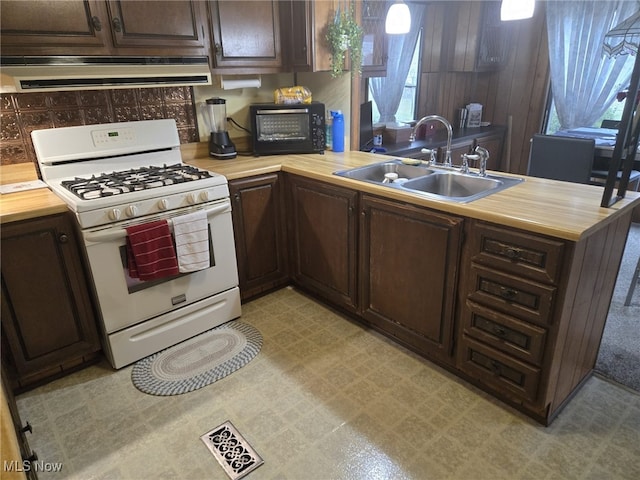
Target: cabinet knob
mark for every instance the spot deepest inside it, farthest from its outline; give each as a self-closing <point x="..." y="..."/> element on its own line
<point x="63" y="238"/>
<point x="218" y="48"/>
<point x="499" y="331"/>
<point x="97" y="24"/>
<point x="236" y="197"/>
<point x="27" y="428"/>
<point x="117" y="25"/>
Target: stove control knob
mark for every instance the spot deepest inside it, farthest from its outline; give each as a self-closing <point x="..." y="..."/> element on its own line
<point x="131" y="211"/>
<point x="114" y="214"/>
<point x="192" y="198"/>
<point x="163" y="204"/>
<point x="204" y="195"/>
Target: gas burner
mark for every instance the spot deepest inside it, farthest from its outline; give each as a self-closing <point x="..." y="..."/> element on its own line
<point x="136" y="179"/>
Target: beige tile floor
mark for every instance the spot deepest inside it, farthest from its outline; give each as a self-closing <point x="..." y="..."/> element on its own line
<point x="327" y="399"/>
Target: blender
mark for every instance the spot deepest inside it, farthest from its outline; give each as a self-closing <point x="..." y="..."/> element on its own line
<point x="215" y="115"/>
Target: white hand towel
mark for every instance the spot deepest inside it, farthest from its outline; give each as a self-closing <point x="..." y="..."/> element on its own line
<point x="191" y="234"/>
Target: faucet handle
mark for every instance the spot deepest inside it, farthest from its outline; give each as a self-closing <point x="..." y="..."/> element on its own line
<point x="432" y="154"/>
<point x="465" y="161"/>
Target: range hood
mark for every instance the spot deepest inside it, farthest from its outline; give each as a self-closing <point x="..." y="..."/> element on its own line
<point x="43" y="74"/>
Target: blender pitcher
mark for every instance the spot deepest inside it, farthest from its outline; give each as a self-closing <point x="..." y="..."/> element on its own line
<point x="215" y="116"/>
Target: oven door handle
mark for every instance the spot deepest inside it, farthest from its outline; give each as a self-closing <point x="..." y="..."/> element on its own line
<point x="111" y="234"/>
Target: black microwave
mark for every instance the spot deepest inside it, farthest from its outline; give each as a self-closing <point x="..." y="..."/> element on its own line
<point x="287" y="128"/>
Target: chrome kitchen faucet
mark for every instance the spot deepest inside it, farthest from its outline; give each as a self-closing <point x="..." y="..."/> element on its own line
<point x="445" y="122"/>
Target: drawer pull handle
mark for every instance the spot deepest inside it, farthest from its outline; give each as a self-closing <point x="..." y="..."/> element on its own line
<point x="499" y="331"/>
<point x="513" y="253"/>
<point x="508" y="293"/>
<point x="495" y="367"/>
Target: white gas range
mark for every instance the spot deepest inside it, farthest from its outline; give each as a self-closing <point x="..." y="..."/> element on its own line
<point x="115" y="176"/>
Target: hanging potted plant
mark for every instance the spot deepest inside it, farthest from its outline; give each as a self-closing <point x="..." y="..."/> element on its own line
<point x="344" y="35"/>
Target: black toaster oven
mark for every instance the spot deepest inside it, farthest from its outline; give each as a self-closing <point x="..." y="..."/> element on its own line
<point x="287" y="128"/>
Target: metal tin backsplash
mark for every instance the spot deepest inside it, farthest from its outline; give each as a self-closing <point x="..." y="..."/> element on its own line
<point x="20" y="113"/>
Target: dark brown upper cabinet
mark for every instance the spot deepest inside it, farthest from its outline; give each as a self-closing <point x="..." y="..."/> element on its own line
<point x="246" y="35"/>
<point x="175" y="26"/>
<point x="374" y="41"/>
<point x="465" y="37"/>
<point x="41" y="27"/>
<point x="92" y="27"/>
<point x="303" y="30"/>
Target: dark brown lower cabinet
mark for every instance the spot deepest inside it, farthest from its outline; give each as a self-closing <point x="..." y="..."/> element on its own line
<point x="48" y="321"/>
<point x="323" y="235"/>
<point x="532" y="311"/>
<point x="409" y="259"/>
<point x="260" y="235"/>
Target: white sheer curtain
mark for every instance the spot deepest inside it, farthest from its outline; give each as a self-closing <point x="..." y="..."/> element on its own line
<point x="584" y="81"/>
<point x="387" y="91"/>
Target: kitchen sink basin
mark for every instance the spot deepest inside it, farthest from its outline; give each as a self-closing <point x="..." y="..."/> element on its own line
<point x="443" y="183"/>
<point x="376" y="172"/>
<point x="453" y="185"/>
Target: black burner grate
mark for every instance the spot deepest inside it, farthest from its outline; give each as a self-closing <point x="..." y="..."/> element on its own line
<point x="136" y="179"/>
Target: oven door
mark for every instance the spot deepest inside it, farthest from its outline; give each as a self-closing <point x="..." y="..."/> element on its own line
<point x="125" y="301"/>
<point x="282" y="131"/>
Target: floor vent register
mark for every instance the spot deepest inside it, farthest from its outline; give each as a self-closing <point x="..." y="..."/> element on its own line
<point x="232" y="451"/>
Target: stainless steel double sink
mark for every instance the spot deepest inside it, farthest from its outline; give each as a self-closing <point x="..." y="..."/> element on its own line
<point x="442" y="183"/>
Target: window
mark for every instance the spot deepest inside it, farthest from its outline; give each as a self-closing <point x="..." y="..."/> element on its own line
<point x="585" y="80"/>
<point x="614" y="112"/>
<point x="407" y="109"/>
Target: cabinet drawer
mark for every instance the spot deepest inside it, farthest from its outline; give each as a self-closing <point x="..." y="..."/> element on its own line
<point x="505" y="333"/>
<point x="527" y="300"/>
<point x="498" y="370"/>
<point x="523" y="254"/>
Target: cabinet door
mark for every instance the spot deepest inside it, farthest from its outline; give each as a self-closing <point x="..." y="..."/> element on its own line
<point x="47" y="316"/>
<point x="64" y="27"/>
<point x="409" y="265"/>
<point x="494" y="41"/>
<point x="374" y="41"/>
<point x="295" y="20"/>
<point x="175" y="27"/>
<point x="323" y="240"/>
<point x="246" y="33"/>
<point x="259" y="229"/>
<point x="474" y="37"/>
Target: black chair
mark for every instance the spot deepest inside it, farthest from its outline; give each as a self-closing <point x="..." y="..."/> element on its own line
<point x="561" y="158"/>
<point x="634" y="281"/>
<point x="600" y="178"/>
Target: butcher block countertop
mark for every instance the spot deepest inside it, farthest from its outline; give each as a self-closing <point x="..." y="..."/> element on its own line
<point x="26" y="204"/>
<point x="559" y="209"/>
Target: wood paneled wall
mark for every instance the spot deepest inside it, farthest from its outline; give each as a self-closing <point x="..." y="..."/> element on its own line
<point x="518" y="92"/>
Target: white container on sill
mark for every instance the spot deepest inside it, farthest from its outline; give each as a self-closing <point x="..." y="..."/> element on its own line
<point x="474" y="115"/>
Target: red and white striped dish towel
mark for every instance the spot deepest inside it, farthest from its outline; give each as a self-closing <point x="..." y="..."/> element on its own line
<point x="191" y="233"/>
<point x="150" y="251"/>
